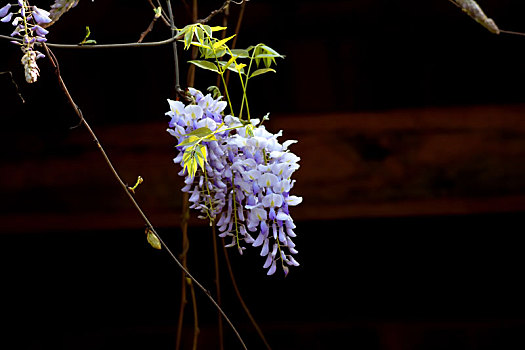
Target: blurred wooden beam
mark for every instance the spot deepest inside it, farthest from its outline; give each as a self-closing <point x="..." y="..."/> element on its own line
<point x="432" y="161"/>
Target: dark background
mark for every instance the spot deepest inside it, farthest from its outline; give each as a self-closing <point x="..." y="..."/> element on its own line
<point x="381" y="282"/>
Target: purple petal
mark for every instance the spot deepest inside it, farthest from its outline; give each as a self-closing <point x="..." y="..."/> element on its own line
<point x="16" y="32"/>
<point x="286" y="270"/>
<point x="221" y="220"/>
<point x="259" y="240"/>
<point x="272" y="269"/>
<point x="282" y="237"/>
<point x="272" y="215"/>
<point x="195" y="195"/>
<point x="264" y="227"/>
<point x="268" y="262"/>
<point x="4" y="10"/>
<point x="265" y="249"/>
<point x="40" y="31"/>
<point x="274" y="249"/>
<point x="7" y="18"/>
<point x="40" y="15"/>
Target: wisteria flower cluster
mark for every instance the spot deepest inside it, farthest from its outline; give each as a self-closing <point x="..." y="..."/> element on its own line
<point x="60" y="7"/>
<point x="244" y="179"/>
<point x="28" y="21"/>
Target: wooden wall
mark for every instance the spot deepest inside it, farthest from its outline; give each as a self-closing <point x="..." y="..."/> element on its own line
<point x="409" y="162"/>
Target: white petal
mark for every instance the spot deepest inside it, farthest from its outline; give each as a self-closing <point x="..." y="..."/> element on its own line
<point x="294" y="200"/>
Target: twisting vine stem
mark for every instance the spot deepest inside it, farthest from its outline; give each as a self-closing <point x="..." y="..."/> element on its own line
<point x="54" y="63"/>
<point x="178" y="90"/>
<point x="185" y="214"/>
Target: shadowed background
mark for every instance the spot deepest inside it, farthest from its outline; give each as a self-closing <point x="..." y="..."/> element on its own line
<point x="411" y="133"/>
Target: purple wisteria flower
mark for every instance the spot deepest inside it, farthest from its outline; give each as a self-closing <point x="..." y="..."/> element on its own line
<point x="28" y="21"/>
<point x="246" y="182"/>
<point x="58" y="8"/>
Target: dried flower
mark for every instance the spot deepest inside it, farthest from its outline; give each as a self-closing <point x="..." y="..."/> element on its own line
<point x="27" y="22"/>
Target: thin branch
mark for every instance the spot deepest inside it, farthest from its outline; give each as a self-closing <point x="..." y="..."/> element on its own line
<point x="163" y="16"/>
<point x="185" y="217"/>
<point x="511" y="32"/>
<point x="183" y="259"/>
<point x="15" y="84"/>
<point x="101" y="46"/>
<point x="217" y="285"/>
<point x="241" y="300"/>
<point x="149" y="29"/>
<point x="186" y="207"/>
<point x="219" y="10"/>
<point x="136" y="44"/>
<point x="178" y="90"/>
<point x="196" y="329"/>
<point x="55" y="65"/>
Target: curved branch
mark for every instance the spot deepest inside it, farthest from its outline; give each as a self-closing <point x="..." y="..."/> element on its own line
<point x="55" y="65"/>
<point x="130" y="45"/>
<point x="101" y="46"/>
<point x="241" y="300"/>
<point x="219" y="10"/>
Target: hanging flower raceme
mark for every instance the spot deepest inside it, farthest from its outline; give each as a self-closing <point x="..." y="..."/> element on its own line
<point x="58" y="8"/>
<point x="245" y="178"/>
<point x="28" y="21"/>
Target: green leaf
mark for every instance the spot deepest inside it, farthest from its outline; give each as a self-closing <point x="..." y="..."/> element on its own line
<point x="192" y="166"/>
<point x="90" y="42"/>
<point x="205" y="65"/>
<point x="153" y="240"/>
<point x="201" y="155"/>
<point x="188" y="36"/>
<point x="240" y="53"/>
<point x="239" y="67"/>
<point x="230" y="61"/>
<point x="198" y="44"/>
<point x="158" y="11"/>
<point x="215" y="91"/>
<point x="86" y="41"/>
<point x="269" y="50"/>
<point x="191" y="140"/>
<point x="261" y="71"/>
<point x="232" y="68"/>
<point x="220" y="43"/>
<point x="200" y="132"/>
<point x="186" y="156"/>
<point x="267" y="54"/>
<point x="208" y="30"/>
<point x="249" y="130"/>
<point x="200" y="34"/>
<point x="210" y="54"/>
<point x="210" y="137"/>
<point x="263" y="55"/>
<point x="217" y="28"/>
